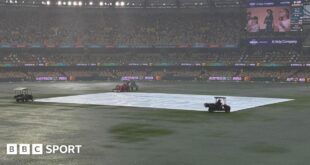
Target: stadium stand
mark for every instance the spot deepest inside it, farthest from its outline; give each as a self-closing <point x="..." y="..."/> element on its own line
<point x="94" y="44"/>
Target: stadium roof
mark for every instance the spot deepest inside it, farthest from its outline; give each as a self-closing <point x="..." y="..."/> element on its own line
<point x="123" y="3"/>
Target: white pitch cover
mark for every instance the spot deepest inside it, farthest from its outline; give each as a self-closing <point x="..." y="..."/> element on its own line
<point x="163" y="100"/>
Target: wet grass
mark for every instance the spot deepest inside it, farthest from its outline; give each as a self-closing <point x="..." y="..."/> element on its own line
<point x="137" y="132"/>
<point x="265" y="148"/>
<point x="128" y="135"/>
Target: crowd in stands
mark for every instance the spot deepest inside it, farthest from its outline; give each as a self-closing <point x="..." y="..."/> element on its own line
<point x="260" y="56"/>
<point x="53" y="28"/>
<point x="46" y="74"/>
<point x="257" y="57"/>
<point x="23" y="27"/>
<point x="13" y="75"/>
<point x="90" y="65"/>
<point x="273" y="73"/>
<point x="220" y="73"/>
<point x="120" y="58"/>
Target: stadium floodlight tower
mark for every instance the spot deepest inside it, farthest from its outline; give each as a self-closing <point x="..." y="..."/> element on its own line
<point x="23" y="95"/>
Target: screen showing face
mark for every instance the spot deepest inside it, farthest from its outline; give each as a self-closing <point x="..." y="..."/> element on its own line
<point x="274" y="16"/>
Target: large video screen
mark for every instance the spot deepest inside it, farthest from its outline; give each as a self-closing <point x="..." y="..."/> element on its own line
<point x="274" y="15"/>
<point x="306" y="17"/>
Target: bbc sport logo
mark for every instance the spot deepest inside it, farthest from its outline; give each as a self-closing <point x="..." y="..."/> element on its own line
<point x="40" y="149"/>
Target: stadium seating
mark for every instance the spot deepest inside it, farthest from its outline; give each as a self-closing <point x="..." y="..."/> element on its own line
<point x="24" y="27"/>
<point x="67" y="30"/>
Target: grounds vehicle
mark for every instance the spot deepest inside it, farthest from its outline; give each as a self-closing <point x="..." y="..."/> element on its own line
<point x="133" y="87"/>
<point x="129" y="86"/>
<point x="23" y="95"/>
<point x="219" y="105"/>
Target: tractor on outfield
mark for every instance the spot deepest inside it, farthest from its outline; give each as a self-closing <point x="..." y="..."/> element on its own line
<point x="219" y="105"/>
<point x="128" y="86"/>
<point x="23" y="95"/>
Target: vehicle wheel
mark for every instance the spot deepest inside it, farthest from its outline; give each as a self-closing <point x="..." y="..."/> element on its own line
<point x="227" y="108"/>
<point x="211" y="108"/>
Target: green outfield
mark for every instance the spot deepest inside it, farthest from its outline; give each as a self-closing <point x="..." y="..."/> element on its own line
<point x="275" y="134"/>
